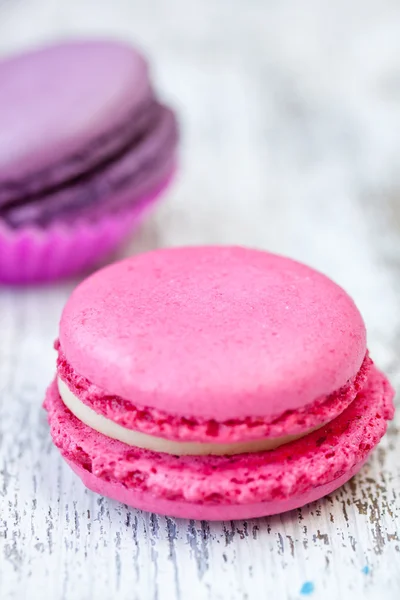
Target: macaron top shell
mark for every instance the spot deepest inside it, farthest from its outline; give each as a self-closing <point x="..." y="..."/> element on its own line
<point x="213" y="332"/>
<point x="56" y="99"/>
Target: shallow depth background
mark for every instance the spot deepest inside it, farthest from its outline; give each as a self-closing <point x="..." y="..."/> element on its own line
<point x="290" y="116"/>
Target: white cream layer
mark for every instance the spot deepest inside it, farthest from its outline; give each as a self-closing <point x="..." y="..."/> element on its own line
<point x="150" y="442"/>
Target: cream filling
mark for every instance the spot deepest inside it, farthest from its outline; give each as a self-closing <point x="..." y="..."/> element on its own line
<point x="150" y="442"/>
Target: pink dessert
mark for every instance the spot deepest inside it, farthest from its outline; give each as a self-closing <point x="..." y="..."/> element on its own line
<point x="214" y="383"/>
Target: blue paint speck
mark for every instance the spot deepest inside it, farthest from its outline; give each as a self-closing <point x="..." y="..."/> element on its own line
<point x="307" y="588"/>
<point x="365" y="570"/>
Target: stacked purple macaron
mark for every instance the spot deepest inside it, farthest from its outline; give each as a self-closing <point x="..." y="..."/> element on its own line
<point x="85" y="147"/>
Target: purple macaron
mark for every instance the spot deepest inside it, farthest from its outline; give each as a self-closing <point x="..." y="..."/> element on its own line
<point x="86" y="147"/>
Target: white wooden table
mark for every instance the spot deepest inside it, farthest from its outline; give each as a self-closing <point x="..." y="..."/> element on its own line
<point x="291" y="122"/>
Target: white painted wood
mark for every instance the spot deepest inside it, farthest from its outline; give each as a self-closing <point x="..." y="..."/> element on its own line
<point x="291" y="121"/>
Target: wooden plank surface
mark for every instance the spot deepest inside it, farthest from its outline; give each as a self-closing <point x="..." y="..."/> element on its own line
<point x="291" y="120"/>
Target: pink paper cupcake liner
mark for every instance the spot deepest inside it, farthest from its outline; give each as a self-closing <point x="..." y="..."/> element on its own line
<point x="38" y="255"/>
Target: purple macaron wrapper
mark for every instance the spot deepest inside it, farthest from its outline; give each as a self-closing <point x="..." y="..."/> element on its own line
<point x="39" y="255"/>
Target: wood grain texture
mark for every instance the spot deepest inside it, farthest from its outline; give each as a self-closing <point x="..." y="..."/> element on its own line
<point x="291" y="120"/>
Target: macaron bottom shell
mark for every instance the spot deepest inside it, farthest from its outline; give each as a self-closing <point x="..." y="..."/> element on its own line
<point x="38" y="255"/>
<point x="217" y="512"/>
<point x="235" y="487"/>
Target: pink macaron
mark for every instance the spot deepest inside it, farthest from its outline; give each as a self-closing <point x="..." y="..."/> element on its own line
<point x="86" y="148"/>
<point x="214" y="383"/>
